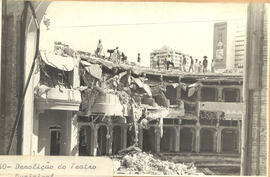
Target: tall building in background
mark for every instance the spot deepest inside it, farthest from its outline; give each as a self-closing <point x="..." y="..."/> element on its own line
<point x="162" y="53"/>
<point x="240" y="45"/>
<point x="229" y="44"/>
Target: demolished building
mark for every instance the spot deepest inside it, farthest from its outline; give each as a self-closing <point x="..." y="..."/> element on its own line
<point x="35" y="135"/>
<point x="90" y="106"/>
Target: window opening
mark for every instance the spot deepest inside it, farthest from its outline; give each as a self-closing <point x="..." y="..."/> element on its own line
<point x="209" y="94"/>
<point x="102" y="140"/>
<point x="230" y="141"/>
<point x="207" y="140"/>
<point x="231" y="95"/>
<point x="149" y="139"/>
<point x="187" y="140"/>
<point x="167" y="142"/>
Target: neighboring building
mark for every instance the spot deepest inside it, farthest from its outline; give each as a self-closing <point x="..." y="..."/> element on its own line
<point x="229" y="45"/>
<point x="163" y="53"/>
<point x="240" y="45"/>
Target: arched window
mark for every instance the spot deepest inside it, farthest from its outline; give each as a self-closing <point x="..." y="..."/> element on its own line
<point x="102" y="140"/>
<point x="117" y="139"/>
<point x="167" y="142"/>
<point x="187" y="139"/>
<point x="230" y="141"/>
<point x="207" y="140"/>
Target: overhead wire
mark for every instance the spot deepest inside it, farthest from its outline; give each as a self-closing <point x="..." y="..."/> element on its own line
<point x="146" y="23"/>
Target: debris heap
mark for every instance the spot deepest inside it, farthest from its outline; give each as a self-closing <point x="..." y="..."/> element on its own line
<point x="138" y="162"/>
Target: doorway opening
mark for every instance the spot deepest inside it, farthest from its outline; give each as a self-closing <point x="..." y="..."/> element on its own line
<point x="85" y="141"/>
<point x="55" y="141"/>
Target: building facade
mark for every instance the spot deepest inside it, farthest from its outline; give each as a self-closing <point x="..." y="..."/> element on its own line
<point x="163" y="53"/>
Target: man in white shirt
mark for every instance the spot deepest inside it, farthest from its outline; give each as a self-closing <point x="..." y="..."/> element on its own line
<point x="99" y="49"/>
<point x="169" y="62"/>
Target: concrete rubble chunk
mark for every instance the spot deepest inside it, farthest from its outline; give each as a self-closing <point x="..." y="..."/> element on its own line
<point x="95" y="71"/>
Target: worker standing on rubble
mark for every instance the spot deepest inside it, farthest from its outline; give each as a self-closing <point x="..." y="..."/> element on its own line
<point x="99" y="48"/>
<point x="139" y="58"/>
<point x="123" y="57"/>
<point x="205" y="63"/>
<point x="169" y="62"/>
<point x="184" y="63"/>
<point x="117" y="54"/>
<point x="191" y="67"/>
<point x="158" y="62"/>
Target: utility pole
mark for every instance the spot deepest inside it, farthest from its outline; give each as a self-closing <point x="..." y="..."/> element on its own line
<point x="252" y="80"/>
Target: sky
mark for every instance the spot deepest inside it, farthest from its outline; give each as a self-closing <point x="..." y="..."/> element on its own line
<point x="138" y="27"/>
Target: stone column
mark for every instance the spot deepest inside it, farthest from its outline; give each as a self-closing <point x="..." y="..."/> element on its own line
<point x="239" y="136"/>
<point x="110" y="139"/>
<point x="29" y="110"/>
<point x="241" y="94"/>
<point x="95" y="139"/>
<point x="218" y="134"/>
<point x="157" y="139"/>
<point x="199" y="94"/>
<point x="74" y="134"/>
<point x="34" y="136"/>
<point x="140" y="137"/>
<point x="220" y="99"/>
<point x="179" y="90"/>
<point x="197" y="145"/>
<point x="177" y="138"/>
<point x="219" y="143"/>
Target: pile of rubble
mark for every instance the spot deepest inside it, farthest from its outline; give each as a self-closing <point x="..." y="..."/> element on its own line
<point x="137" y="162"/>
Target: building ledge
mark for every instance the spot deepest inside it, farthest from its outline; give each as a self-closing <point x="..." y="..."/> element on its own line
<point x="52" y="104"/>
<point x="139" y="70"/>
<point x="231" y="110"/>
